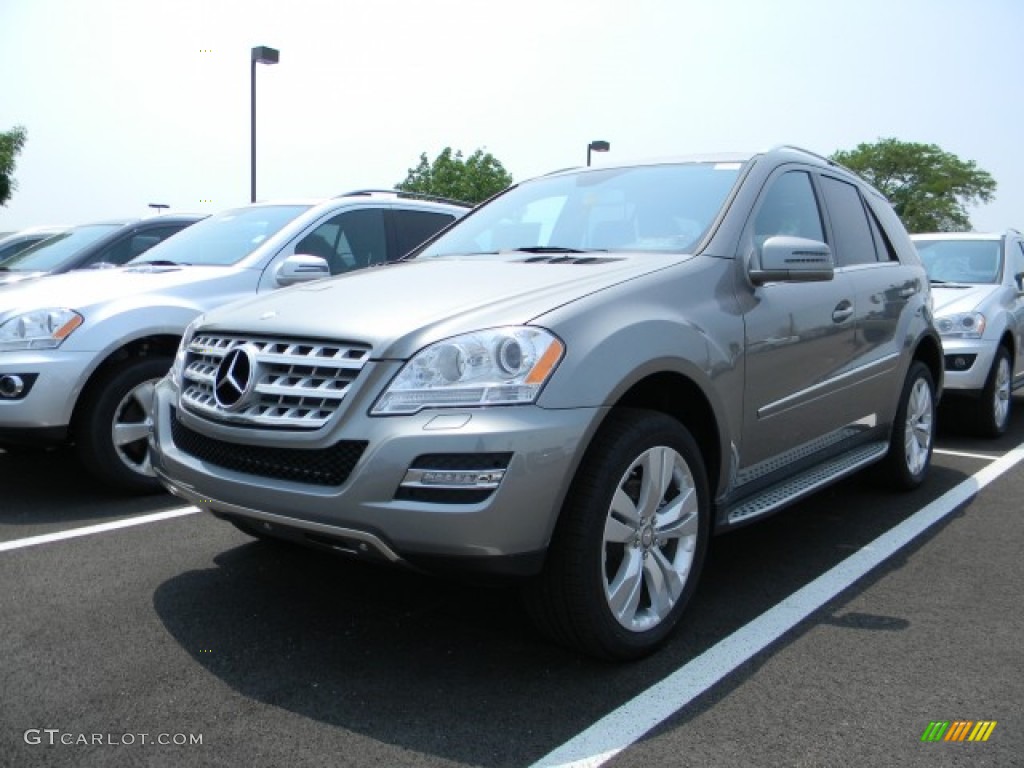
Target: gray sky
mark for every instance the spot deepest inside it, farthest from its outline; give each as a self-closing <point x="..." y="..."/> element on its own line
<point x="130" y="102"/>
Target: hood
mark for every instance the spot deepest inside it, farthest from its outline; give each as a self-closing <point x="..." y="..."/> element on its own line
<point x="10" y="278"/>
<point x="950" y="300"/>
<point x="85" y="288"/>
<point x="398" y="308"/>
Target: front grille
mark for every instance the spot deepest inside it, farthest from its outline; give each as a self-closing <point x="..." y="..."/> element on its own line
<point x="298" y="384"/>
<point x="317" y="466"/>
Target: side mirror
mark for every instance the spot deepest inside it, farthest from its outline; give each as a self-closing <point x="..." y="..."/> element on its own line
<point x="301" y="268"/>
<point x="793" y="259"/>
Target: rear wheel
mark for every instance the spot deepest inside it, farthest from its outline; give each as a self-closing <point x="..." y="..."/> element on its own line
<point x="913" y="433"/>
<point x="992" y="409"/>
<point x="631" y="540"/>
<point x="112" y="428"/>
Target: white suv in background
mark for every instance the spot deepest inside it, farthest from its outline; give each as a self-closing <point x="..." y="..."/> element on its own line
<point x="81" y="352"/>
<point x="979" y="312"/>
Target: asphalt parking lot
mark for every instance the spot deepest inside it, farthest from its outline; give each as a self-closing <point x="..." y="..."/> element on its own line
<point x="130" y="644"/>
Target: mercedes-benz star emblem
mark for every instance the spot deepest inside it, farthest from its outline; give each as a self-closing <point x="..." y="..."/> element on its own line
<point x="235" y="378"/>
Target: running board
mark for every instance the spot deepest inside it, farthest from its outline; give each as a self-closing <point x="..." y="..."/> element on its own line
<point x="804" y="484"/>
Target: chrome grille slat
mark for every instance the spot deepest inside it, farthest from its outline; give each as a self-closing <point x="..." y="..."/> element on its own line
<point x="300" y="385"/>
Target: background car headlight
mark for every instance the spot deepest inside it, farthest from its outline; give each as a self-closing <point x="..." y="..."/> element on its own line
<point x="965" y="325"/>
<point x="39" y="329"/>
<point x="499" y="366"/>
<point x="178" y="367"/>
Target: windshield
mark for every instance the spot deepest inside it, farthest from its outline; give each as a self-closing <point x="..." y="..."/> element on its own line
<point x="962" y="261"/>
<point x="56" y="251"/>
<point x="224" y="238"/>
<point x="657" y="208"/>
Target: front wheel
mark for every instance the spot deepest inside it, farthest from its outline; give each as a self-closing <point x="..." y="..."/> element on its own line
<point x="992" y="415"/>
<point x="630" y="542"/>
<point x="112" y="428"/>
<point x="913" y="433"/>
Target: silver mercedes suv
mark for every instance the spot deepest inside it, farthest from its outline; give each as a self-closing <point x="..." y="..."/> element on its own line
<point x="80" y="352"/>
<point x="978" y="284"/>
<point x="577" y="384"/>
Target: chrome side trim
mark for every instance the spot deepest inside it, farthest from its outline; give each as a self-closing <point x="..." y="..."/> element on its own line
<point x="810" y="393"/>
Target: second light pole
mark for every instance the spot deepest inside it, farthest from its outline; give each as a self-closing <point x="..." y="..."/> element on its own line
<point x="597" y="146"/>
<point x="261" y="54"/>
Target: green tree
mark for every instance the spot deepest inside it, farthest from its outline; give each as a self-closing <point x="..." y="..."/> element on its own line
<point x="473" y="179"/>
<point x="929" y="188"/>
<point x="11" y="143"/>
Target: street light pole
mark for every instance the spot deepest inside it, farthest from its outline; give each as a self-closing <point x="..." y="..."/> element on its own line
<point x="261" y="54"/>
<point x="597" y="146"/>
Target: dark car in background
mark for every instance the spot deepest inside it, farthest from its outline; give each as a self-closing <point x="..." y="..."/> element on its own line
<point x="101" y="244"/>
<point x="13" y="243"/>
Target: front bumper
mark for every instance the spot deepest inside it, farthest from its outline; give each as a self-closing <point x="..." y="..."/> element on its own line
<point x="53" y="381"/>
<point x="371" y="512"/>
<point x="968" y="363"/>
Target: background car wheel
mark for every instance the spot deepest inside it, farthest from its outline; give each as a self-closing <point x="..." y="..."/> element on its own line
<point x="630" y="542"/>
<point x="913" y="433"/>
<point x="112" y="428"/>
<point x="992" y="410"/>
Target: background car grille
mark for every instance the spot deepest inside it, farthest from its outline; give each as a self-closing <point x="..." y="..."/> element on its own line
<point x="318" y="466"/>
<point x="300" y="384"/>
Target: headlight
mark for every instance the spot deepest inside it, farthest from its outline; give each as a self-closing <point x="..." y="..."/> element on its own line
<point x="39" y="329"/>
<point x="178" y="367"/>
<point x="966" y="325"/>
<point x="500" y="366"/>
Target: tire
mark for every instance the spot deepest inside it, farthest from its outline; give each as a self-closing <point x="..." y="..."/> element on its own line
<point x="992" y="409"/>
<point x="623" y="564"/>
<point x="913" y="434"/>
<point x="112" y="428"/>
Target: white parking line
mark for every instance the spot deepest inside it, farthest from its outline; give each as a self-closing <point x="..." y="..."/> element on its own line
<point x="619" y="729"/>
<point x="88" y="530"/>
<point x="965" y="454"/>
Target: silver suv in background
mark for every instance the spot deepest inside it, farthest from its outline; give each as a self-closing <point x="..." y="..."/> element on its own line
<point x="979" y="312"/>
<point x="576" y="383"/>
<point x="80" y="352"/>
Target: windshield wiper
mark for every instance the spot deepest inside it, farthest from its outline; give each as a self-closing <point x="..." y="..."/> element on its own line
<point x="159" y="263"/>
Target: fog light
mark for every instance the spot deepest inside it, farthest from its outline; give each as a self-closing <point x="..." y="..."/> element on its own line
<point x="12" y="386"/>
<point x="461" y="478"/>
<point x="959" y="363"/>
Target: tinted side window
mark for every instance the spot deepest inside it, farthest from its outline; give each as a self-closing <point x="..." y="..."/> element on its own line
<point x="130" y="246"/>
<point x="1018" y="262"/>
<point x="883" y="246"/>
<point x="854" y="243"/>
<point x="413" y="227"/>
<point x="350" y="240"/>
<point x="789" y="207"/>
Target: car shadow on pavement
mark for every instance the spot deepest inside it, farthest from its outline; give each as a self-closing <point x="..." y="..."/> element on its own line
<point x="46" y="486"/>
<point x="441" y="667"/>
<point x="437" y="667"/>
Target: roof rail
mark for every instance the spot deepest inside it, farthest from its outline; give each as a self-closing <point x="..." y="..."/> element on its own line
<point x="795" y="148"/>
<point x="409" y="195"/>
